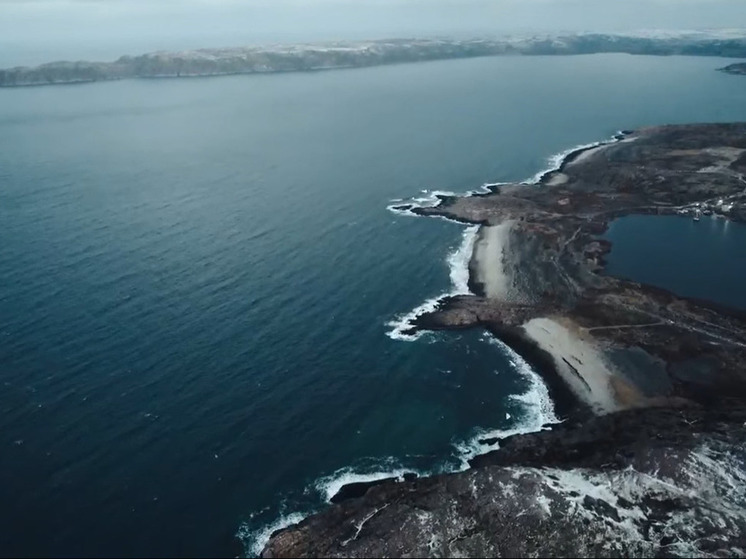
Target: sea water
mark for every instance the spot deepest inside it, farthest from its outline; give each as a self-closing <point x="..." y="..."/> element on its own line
<point x="201" y="285"/>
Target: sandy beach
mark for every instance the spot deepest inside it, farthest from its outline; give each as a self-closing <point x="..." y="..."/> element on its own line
<point x="582" y="365"/>
<point x="488" y="264"/>
<point x="585" y="155"/>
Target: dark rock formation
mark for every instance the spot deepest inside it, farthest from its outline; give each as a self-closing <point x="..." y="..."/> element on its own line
<point x="646" y="483"/>
<point x="360" y="488"/>
<point x="557" y="260"/>
<point x="739" y="69"/>
<point x="666" y="477"/>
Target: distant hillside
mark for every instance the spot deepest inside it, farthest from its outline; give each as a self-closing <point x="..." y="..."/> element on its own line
<point x="307" y="57"/>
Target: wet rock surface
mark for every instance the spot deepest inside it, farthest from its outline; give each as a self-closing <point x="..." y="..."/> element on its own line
<point x="649" y="482"/>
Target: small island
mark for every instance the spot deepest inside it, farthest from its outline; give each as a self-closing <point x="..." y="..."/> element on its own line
<point x="650" y="458"/>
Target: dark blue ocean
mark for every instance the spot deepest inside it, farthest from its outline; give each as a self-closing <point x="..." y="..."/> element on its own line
<point x="199" y="278"/>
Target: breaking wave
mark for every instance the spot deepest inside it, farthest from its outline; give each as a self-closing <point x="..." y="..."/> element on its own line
<point x="555" y="161"/>
<point x="255" y="540"/>
<point x="402" y="327"/>
<point x="375" y="470"/>
<point x="536" y="406"/>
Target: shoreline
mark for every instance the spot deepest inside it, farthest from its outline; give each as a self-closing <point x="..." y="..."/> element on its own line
<point x="410" y="326"/>
<point x="600" y="344"/>
<point x="314" y="57"/>
<point x="571" y="161"/>
<point x="534" y="349"/>
<point x="404" y="328"/>
<point x="488" y="273"/>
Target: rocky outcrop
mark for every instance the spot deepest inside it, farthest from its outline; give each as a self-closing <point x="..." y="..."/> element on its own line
<point x="646" y="344"/>
<point x="308" y="57"/>
<point x="738" y="69"/>
<point x="652" y="482"/>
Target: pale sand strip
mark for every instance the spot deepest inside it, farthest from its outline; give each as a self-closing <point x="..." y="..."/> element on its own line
<point x="558" y="179"/>
<point x="489" y="260"/>
<point x="582" y="365"/>
<point x="586" y="154"/>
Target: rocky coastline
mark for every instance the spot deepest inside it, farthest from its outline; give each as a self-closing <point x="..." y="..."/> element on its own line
<point x="738" y="69"/>
<point x="338" y="55"/>
<point x="652" y="386"/>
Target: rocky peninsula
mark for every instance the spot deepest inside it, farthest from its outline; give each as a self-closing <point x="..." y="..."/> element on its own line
<point x="336" y="55"/>
<point x="738" y="69"/>
<point x="650" y="460"/>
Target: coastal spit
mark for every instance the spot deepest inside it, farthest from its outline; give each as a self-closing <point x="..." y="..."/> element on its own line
<point x="651" y="386"/>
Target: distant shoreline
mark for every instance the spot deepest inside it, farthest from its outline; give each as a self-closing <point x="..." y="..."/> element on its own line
<point x="361" y="54"/>
<point x="735" y="69"/>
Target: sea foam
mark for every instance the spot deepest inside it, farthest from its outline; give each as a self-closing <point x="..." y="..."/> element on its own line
<point x="328" y="486"/>
<point x="255" y="540"/>
<point x="555" y="161"/>
<point x="458" y="264"/>
<point x="537" y="408"/>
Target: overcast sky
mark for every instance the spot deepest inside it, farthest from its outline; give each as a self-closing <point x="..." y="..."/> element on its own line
<point x="35" y="31"/>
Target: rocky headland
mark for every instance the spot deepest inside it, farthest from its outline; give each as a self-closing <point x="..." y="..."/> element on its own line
<point x="336" y="55"/>
<point x="737" y="69"/>
<point x="650" y="460"/>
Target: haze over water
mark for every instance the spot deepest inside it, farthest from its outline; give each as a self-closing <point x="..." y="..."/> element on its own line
<point x="197" y="276"/>
<point x="37" y="31"/>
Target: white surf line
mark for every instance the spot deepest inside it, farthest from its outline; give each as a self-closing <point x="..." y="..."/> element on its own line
<point x="555" y="161"/>
<point x="431" y="199"/>
<point x="539" y="404"/>
<point x="536" y="402"/>
<point x="460" y="271"/>
<point x="254" y="541"/>
<point x="330" y="485"/>
<point x="458" y="263"/>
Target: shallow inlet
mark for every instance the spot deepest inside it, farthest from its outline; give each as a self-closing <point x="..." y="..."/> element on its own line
<point x="704" y="259"/>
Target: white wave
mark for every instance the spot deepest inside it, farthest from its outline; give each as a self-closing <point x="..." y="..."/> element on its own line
<point x="555" y="161"/>
<point x="401" y="324"/>
<point x="458" y="263"/>
<point x="254" y="541"/>
<point x="538" y="408"/>
<point x="401" y="209"/>
<point x="330" y="485"/>
<point x="430" y="200"/>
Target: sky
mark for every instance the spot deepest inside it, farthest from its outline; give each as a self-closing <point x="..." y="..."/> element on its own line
<point x="37" y="31"/>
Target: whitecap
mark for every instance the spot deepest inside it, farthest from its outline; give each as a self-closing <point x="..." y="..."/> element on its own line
<point x="328" y="486"/>
<point x="555" y="161"/>
<point x="255" y="540"/>
<point x="458" y="263"/>
<point x="536" y="404"/>
<point x="430" y="199"/>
